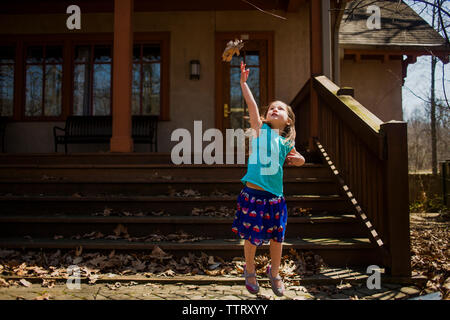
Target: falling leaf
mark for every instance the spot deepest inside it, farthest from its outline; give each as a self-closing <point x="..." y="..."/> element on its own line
<point x="231" y="49"/>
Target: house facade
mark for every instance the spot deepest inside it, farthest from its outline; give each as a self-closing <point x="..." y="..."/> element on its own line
<point x="127" y="58"/>
<point x="165" y="39"/>
<point x="50" y="71"/>
<point x="375" y="61"/>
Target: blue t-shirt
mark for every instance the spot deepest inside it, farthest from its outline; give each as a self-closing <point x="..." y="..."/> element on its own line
<point x="265" y="163"/>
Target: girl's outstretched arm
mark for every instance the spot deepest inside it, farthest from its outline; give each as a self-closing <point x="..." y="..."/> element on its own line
<point x="255" y="120"/>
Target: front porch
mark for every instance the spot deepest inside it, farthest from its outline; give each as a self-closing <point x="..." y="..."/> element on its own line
<point x="336" y="209"/>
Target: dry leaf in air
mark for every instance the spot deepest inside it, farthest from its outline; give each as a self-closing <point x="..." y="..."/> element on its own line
<point x="232" y="48"/>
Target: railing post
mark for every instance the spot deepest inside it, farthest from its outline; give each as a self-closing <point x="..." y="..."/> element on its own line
<point x="396" y="196"/>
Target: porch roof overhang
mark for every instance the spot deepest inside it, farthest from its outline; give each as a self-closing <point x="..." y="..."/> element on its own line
<point x="441" y="51"/>
<point x="97" y="6"/>
<point x="403" y="31"/>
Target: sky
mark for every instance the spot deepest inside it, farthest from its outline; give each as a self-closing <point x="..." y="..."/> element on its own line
<point x="419" y="75"/>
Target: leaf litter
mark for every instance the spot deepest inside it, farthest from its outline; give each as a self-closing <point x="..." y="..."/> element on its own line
<point x="430" y="234"/>
<point x="157" y="263"/>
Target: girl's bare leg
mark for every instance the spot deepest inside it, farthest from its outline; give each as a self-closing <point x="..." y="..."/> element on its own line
<point x="275" y="257"/>
<point x="249" y="252"/>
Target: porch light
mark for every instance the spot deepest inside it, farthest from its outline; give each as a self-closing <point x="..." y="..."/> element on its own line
<point x="195" y="70"/>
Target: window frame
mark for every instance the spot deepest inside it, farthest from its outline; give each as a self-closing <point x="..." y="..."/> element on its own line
<point x="69" y="42"/>
<point x="26" y="45"/>
<point x="91" y="44"/>
<point x="141" y="65"/>
<point x="12" y="44"/>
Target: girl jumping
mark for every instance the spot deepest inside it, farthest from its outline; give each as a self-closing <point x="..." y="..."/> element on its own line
<point x="261" y="215"/>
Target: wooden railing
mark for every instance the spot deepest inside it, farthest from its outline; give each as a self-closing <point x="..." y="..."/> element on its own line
<point x="371" y="157"/>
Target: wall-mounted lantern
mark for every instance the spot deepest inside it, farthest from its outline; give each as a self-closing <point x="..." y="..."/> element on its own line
<point x="195" y="70"/>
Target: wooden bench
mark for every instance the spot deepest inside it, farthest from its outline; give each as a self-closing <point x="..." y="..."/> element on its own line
<point x="3" y="121"/>
<point x="98" y="129"/>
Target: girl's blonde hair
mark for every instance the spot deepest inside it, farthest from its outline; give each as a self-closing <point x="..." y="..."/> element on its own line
<point x="289" y="131"/>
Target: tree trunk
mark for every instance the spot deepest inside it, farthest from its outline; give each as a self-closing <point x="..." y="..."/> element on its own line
<point x="433" y="117"/>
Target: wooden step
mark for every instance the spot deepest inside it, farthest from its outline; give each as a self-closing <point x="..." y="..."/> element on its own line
<point x="334" y="251"/>
<point x="103" y="158"/>
<point x="68" y="225"/>
<point x="147" y="204"/>
<point x="86" y="158"/>
<point x="148" y="172"/>
<point x="206" y="187"/>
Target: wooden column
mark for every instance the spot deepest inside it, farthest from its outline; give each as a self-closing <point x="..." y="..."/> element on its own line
<point x="121" y="140"/>
<point x="396" y="195"/>
<point x="315" y="18"/>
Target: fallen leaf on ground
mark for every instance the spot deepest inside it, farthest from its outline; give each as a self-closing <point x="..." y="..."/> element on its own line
<point x="45" y="296"/>
<point x="25" y="283"/>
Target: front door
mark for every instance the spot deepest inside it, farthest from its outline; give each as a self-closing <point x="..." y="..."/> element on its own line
<point x="257" y="55"/>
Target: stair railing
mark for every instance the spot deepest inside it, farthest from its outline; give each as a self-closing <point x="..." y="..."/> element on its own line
<point x="371" y="157"/>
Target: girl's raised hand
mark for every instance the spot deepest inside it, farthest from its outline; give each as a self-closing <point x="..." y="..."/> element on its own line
<point x="244" y="73"/>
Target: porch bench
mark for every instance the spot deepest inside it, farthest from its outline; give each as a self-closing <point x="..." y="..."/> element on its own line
<point x="98" y="129"/>
<point x="3" y="122"/>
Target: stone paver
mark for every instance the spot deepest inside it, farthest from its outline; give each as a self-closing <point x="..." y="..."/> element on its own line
<point x="179" y="291"/>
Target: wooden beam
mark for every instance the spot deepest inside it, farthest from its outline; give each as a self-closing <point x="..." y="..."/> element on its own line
<point x="101" y="6"/>
<point x="121" y="140"/>
<point x="315" y="19"/>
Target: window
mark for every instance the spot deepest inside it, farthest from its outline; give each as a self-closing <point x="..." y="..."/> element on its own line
<point x="146" y="89"/>
<point x="43" y="79"/>
<point x="92" y="80"/>
<point x="7" y="57"/>
<point x="46" y="80"/>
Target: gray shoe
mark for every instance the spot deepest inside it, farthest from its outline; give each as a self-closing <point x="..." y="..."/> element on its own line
<point x="278" y="291"/>
<point x="252" y="288"/>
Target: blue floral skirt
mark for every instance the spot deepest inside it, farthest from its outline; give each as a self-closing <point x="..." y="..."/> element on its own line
<point x="260" y="216"/>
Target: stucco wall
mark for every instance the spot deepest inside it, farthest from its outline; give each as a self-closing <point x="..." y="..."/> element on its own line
<point x="192" y="37"/>
<point x="377" y="84"/>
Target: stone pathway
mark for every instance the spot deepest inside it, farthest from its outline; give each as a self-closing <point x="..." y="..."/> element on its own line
<point x="180" y="291"/>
